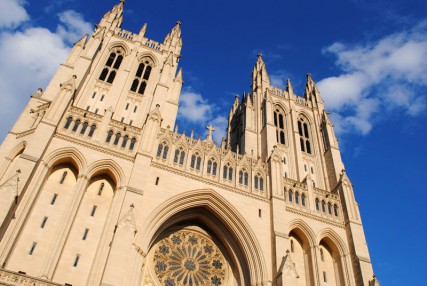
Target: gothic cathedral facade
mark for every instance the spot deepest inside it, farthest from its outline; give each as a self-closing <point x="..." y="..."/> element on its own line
<point x="98" y="188"/>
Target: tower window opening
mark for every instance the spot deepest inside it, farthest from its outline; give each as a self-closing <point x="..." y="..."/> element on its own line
<point x="292" y="246"/>
<point x="296" y="197"/>
<point x="322" y="257"/>
<point x="127" y="106"/>
<point x="76" y="125"/>
<point x="179" y="156"/>
<point x="317" y="204"/>
<point x="142" y="75"/>
<point x="87" y="108"/>
<point x="96" y="111"/>
<point x="280" y="126"/>
<point x="303" y="131"/>
<point x="195" y="161"/>
<point x="211" y="168"/>
<point x="109" y="135"/>
<point x="243" y="177"/>
<point x="84" y="127"/>
<point x="162" y="150"/>
<point x="64" y="175"/>
<point x="102" y="98"/>
<point x="134" y="109"/>
<point x="324" y="277"/>
<point x="259" y="212"/>
<point x="52" y="202"/>
<point x="33" y="247"/>
<point x="85" y="233"/>
<point x="125" y="141"/>
<point x="76" y="260"/>
<point x="132" y="144"/>
<point x="101" y="188"/>
<point x="291" y="195"/>
<point x="92" y="213"/>
<point x="227" y="172"/>
<point x="92" y="130"/>
<point x="157" y="181"/>
<point x="303" y="199"/>
<point x="122" y="119"/>
<point x="259" y="182"/>
<point x="117" y="139"/>
<point x="68" y="122"/>
<point x="323" y="206"/>
<point x="330" y="208"/>
<point x="43" y="222"/>
<point x="111" y="66"/>
<point x="93" y="95"/>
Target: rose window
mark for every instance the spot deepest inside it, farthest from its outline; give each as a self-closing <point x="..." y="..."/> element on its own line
<point x="189" y="258"/>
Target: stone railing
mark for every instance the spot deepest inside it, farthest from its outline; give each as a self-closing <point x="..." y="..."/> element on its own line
<point x="125" y="34"/>
<point x="11" y="278"/>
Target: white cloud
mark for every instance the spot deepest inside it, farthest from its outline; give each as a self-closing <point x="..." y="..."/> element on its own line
<point x="73" y="26"/>
<point x="378" y="78"/>
<point x="12" y="13"/>
<point x="33" y="56"/>
<point x="198" y="111"/>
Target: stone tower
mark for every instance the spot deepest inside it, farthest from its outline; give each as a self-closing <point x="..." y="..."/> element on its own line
<point x="96" y="188"/>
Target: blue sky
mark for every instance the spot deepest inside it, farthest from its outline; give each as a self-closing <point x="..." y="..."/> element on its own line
<point x="369" y="59"/>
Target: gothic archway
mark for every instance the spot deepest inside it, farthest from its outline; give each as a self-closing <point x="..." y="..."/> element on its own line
<point x="208" y="216"/>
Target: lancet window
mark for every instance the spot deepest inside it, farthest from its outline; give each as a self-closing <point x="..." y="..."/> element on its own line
<point x="243" y="177"/>
<point x="211" y="168"/>
<point x="112" y="65"/>
<point x="304" y="134"/>
<point x="259" y="182"/>
<point x="162" y="150"/>
<point x="141" y="77"/>
<point x="279" y="122"/>
<point x="196" y="161"/>
<point x="227" y="173"/>
<point x="179" y="156"/>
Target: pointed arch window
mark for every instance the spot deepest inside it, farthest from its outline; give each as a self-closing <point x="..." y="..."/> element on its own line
<point x="76" y="125"/>
<point x="141" y="77"/>
<point x="162" y="150"/>
<point x="68" y="122"/>
<point x="330" y="208"/>
<point x="196" y="161"/>
<point x="317" y="204"/>
<point x="303" y="199"/>
<point x="323" y="206"/>
<point x="227" y="173"/>
<point x="132" y="144"/>
<point x="179" y="156"/>
<point x="109" y="135"/>
<point x="291" y="196"/>
<point x="304" y="134"/>
<point x="243" y="177"/>
<point x="259" y="182"/>
<point x="113" y="63"/>
<point x="296" y="197"/>
<point x="92" y="130"/>
<point x="117" y="139"/>
<point x="212" y="165"/>
<point x="101" y="188"/>
<point x="279" y="122"/>
<point x="335" y="210"/>
<point x="84" y="127"/>
<point x="125" y="141"/>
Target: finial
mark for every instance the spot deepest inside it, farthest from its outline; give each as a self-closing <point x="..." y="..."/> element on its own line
<point x="259" y="55"/>
<point x="178" y="23"/>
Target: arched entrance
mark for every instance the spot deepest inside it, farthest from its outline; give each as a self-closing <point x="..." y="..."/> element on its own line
<point x="188" y="226"/>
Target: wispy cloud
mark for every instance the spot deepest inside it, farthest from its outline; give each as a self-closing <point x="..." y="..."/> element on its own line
<point x="378" y="78"/>
<point x="196" y="111"/>
<point x="33" y="55"/>
<point x="12" y="13"/>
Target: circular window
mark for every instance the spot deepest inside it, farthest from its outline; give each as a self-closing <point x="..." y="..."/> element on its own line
<point x="189" y="258"/>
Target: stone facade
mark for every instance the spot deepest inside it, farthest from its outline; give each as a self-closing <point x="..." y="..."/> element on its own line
<point x="97" y="188"/>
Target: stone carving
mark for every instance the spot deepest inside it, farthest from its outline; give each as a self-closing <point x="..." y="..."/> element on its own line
<point x="189" y="258"/>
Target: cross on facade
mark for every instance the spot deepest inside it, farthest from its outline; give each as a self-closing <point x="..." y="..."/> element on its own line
<point x="210" y="130"/>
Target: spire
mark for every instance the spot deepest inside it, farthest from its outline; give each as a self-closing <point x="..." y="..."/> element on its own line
<point x="259" y="73"/>
<point x="114" y="18"/>
<point x="289" y="87"/>
<point x="311" y="89"/>
<point x="143" y="30"/>
<point x="173" y="39"/>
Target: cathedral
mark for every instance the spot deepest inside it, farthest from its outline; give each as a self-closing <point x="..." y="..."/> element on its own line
<point x="98" y="187"/>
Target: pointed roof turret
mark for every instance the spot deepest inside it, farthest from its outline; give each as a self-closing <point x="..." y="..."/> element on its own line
<point x="289" y="87"/>
<point x="143" y="29"/>
<point x="114" y="18"/>
<point x="173" y="39"/>
<point x="259" y="73"/>
<point x="311" y="89"/>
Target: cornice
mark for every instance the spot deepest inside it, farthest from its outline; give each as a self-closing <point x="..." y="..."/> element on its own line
<point x="307" y="215"/>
